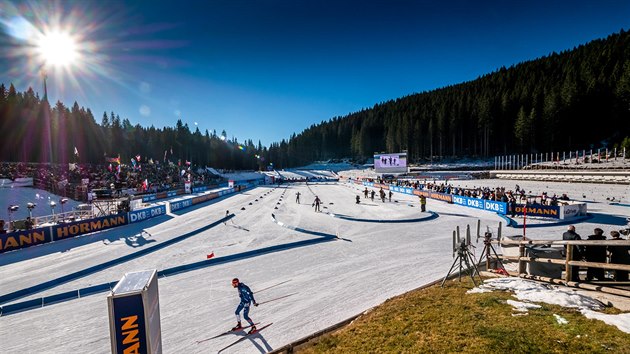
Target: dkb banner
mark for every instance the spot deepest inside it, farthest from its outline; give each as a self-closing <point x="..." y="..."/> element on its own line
<point x="144" y="214"/>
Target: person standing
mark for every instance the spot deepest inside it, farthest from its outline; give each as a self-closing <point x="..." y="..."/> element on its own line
<point x="316" y="203"/>
<point x="297" y="197"/>
<point x="365" y="193"/>
<point x="247" y="297"/>
<point x="358" y="199"/>
<point x="595" y="254"/>
<point x="423" y="203"/>
<point x="569" y="235"/>
<point x="390" y="195"/>
<point x="619" y="255"/>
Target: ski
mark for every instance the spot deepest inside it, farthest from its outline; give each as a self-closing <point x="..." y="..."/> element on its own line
<point x="278" y="298"/>
<point x="226" y="333"/>
<point x="244" y="337"/>
<point x="272" y="286"/>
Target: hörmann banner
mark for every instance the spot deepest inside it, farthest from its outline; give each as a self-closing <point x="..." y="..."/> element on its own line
<point x="390" y="163"/>
<point x="24" y="238"/>
<point x="546" y="211"/>
<point x="134" y="314"/>
<point x="63" y="231"/>
<point x="148" y="213"/>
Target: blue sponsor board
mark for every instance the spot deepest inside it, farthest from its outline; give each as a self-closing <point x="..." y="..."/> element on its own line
<point x="23" y="239"/>
<point x="226" y="191"/>
<point x="144" y="214"/>
<point x="408" y="190"/>
<point x="199" y="189"/>
<point x="171" y="193"/>
<point x="181" y="204"/>
<point x="148" y="198"/>
<point x="469" y="202"/>
<point x="497" y="207"/>
<point x="129" y="324"/>
<point x="489" y="205"/>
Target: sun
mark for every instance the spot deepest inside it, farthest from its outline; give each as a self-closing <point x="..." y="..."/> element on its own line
<point x="57" y="49"/>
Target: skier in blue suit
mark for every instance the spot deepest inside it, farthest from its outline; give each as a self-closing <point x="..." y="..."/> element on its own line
<point x="247" y="297"/>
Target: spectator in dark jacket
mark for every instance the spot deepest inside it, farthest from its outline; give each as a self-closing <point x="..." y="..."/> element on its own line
<point x="595" y="254"/>
<point x="570" y="234"/>
<point x="619" y="255"/>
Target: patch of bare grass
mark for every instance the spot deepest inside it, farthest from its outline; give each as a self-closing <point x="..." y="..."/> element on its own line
<point x="447" y="320"/>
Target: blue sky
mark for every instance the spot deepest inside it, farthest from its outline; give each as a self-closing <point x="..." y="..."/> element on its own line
<point x="263" y="70"/>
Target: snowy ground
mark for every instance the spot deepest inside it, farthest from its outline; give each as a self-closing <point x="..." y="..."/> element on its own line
<point x="21" y="196"/>
<point x="328" y="281"/>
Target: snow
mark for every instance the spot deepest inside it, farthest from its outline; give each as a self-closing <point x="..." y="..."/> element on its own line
<point x="522" y="306"/>
<point x="331" y="279"/>
<point x="561" y="320"/>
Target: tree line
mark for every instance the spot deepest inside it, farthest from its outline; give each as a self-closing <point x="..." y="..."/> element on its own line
<point x="574" y="99"/>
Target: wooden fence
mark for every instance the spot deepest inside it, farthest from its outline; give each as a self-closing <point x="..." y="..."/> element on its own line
<point x="523" y="258"/>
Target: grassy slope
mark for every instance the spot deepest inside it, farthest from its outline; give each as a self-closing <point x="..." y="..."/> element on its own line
<point x="436" y="320"/>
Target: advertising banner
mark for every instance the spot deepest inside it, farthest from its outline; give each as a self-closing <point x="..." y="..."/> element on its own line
<point x="149" y="198"/>
<point x="546" y="211"/>
<point x="181" y="204"/>
<point x="468" y="202"/>
<point x="63" y="231"/>
<point x="171" y="194"/>
<point x="23" y="239"/>
<point x="390" y="163"/>
<point x="443" y="197"/>
<point x="187" y="186"/>
<point x="497" y="207"/>
<point x="144" y="214"/>
<point x="572" y="210"/>
<point x="130" y="334"/>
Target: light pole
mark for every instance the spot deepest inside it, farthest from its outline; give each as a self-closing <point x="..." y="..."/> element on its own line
<point x="52" y="208"/>
<point x="63" y="201"/>
<point x="30" y="207"/>
<point x="12" y="209"/>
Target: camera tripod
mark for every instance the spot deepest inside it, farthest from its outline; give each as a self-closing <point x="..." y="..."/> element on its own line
<point x="488" y="251"/>
<point x="464" y="257"/>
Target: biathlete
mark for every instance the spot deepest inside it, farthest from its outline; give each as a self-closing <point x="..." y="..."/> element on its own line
<point x="247" y="297"/>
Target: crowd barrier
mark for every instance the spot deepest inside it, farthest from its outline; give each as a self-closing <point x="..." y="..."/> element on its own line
<point x="27" y="238"/>
<point x="562" y="212"/>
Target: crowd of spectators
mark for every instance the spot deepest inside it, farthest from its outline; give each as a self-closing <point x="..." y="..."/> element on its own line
<point x="66" y="179"/>
<point x="616" y="254"/>
<point x="514" y="196"/>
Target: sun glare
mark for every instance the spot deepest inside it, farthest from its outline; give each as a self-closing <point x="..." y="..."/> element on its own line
<point x="58" y="49"/>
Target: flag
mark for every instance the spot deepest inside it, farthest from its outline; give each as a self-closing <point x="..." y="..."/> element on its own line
<point x="138" y="158"/>
<point x="118" y="169"/>
<point x="76" y="152"/>
<point x="151" y="161"/>
<point x="113" y="159"/>
<point x="72" y="166"/>
<point x="171" y="150"/>
<point x="187" y="163"/>
<point x="165" y="151"/>
<point x="110" y="167"/>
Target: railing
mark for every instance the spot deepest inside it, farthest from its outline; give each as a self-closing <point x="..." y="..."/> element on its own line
<point x="524" y="258"/>
<point x="68" y="216"/>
